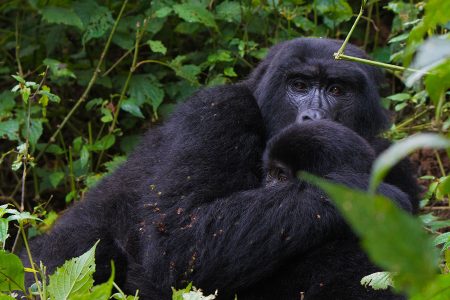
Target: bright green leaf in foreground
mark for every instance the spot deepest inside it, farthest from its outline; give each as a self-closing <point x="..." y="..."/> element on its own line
<point x="11" y="272"/>
<point x="392" y="238"/>
<point x="398" y="151"/>
<point x="74" y="277"/>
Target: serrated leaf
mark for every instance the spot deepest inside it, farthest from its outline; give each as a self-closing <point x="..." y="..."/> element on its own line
<point x="378" y="280"/>
<point x="74" y="277"/>
<point x="157" y="47"/>
<point x="195" y="13"/>
<point x="12" y="275"/>
<point x="398" y="151"/>
<point x="229" y="11"/>
<point x="61" y="15"/>
<point x="58" y="69"/>
<point x="188" y="72"/>
<point x="99" y="23"/>
<point x="99" y="292"/>
<point x="442" y="238"/>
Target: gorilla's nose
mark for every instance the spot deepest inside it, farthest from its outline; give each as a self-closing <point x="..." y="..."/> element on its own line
<point x="311" y="115"/>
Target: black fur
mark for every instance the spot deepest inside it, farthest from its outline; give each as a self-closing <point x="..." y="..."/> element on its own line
<point x="191" y="203"/>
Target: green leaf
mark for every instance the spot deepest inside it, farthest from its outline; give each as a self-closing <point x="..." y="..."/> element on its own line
<point x="58" y="69"/>
<point x="55" y="178"/>
<point x="9" y="129"/>
<point x="398" y="151"/>
<point x="383" y="228"/>
<point x="334" y="12"/>
<point x="229" y="72"/>
<point x="188" y="72"/>
<point x="178" y="294"/>
<point x="144" y="89"/>
<point x="442" y="238"/>
<point x="378" y="280"/>
<point x="61" y="15"/>
<point x="163" y="12"/>
<point x="3" y="232"/>
<point x="12" y="276"/>
<point x="7" y="102"/>
<point x="195" y="13"/>
<point x="35" y="131"/>
<point x="157" y="47"/>
<point x="74" y="277"/>
<point x="399" y="97"/>
<point x="229" y="11"/>
<point x="99" y="23"/>
<point x="117" y="161"/>
<point x="99" y="292"/>
<point x="104" y="143"/>
<point x="129" y="105"/>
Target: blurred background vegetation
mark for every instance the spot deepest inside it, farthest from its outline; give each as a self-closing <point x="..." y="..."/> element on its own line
<point x="82" y="80"/>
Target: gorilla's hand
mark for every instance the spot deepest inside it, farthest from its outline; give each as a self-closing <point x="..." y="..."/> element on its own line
<point x="318" y="147"/>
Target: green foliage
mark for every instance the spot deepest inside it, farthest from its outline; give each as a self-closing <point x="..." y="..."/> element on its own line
<point x="74" y="277"/>
<point x="11" y="272"/>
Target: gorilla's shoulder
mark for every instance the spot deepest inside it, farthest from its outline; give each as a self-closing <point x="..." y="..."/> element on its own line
<point x="234" y="99"/>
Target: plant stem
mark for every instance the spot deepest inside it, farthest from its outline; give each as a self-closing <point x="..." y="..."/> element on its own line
<point x="372" y="63"/>
<point x="30" y="257"/>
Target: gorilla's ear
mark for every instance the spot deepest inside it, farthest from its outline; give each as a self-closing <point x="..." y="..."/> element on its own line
<point x="255" y="76"/>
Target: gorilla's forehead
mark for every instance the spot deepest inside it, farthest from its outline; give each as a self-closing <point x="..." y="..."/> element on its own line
<point x="314" y="58"/>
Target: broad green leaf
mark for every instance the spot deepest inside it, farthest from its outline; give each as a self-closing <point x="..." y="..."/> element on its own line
<point x="21" y="216"/>
<point x="195" y="13"/>
<point x="188" y="72"/>
<point x="378" y="280"/>
<point x="129" y="105"/>
<point x="35" y="131"/>
<point x="99" y="292"/>
<point x="9" y="129"/>
<point x="334" y="12"/>
<point x="144" y="89"/>
<point x="229" y="11"/>
<point x="104" y="143"/>
<point x="55" y="178"/>
<point x="163" y="12"/>
<point x="439" y="289"/>
<point x="400" y="150"/>
<point x="61" y="15"/>
<point x="157" y="46"/>
<point x="229" y="72"/>
<point x="100" y="21"/>
<point x="6" y="297"/>
<point x="115" y="163"/>
<point x="58" y="69"/>
<point x="7" y="102"/>
<point x="399" y="97"/>
<point x="444" y="186"/>
<point x="442" y="238"/>
<point x="74" y="277"/>
<point x="12" y="276"/>
<point x="392" y="238"/>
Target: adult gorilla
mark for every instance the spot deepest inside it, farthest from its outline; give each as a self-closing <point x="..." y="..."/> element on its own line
<point x="192" y="202"/>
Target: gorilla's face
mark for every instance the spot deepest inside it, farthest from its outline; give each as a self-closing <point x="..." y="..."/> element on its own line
<point x="301" y="81"/>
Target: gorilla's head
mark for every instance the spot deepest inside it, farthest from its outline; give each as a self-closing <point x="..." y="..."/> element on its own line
<point x="300" y="81"/>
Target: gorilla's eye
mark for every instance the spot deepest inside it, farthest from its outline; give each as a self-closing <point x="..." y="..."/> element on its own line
<point x="299" y="85"/>
<point x="336" y="90"/>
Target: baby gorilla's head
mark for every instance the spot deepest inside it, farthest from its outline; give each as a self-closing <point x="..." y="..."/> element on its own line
<point x="318" y="147"/>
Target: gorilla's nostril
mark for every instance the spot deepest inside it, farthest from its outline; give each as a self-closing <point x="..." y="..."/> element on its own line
<point x="306" y="118"/>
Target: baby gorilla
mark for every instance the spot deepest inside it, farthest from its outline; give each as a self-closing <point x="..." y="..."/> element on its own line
<point x="302" y="147"/>
<point x="334" y="269"/>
